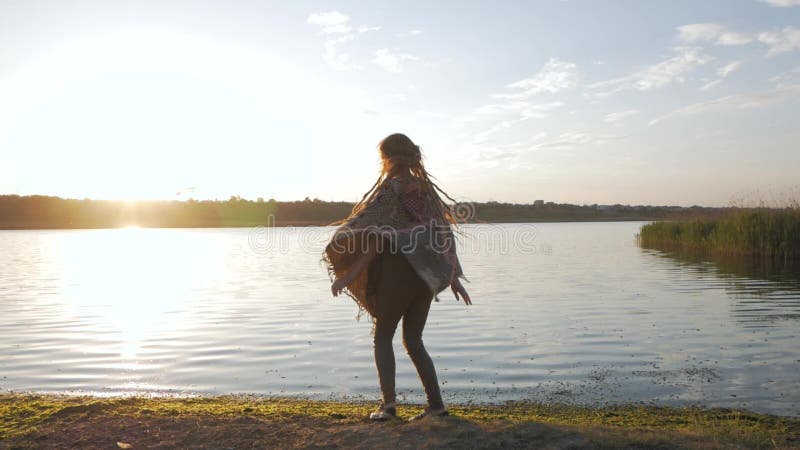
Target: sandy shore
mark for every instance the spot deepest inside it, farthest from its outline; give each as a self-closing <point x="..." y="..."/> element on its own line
<point x="54" y="421"/>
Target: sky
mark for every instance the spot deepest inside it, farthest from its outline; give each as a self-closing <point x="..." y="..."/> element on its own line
<point x="635" y="102"/>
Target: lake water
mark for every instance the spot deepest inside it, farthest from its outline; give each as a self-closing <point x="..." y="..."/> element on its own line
<point x="563" y="312"/>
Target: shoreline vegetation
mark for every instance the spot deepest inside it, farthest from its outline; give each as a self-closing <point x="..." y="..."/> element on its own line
<point x="46" y="212"/>
<point x="770" y="233"/>
<point x="244" y="421"/>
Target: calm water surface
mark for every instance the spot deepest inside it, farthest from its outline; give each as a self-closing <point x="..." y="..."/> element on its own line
<point x="566" y="312"/>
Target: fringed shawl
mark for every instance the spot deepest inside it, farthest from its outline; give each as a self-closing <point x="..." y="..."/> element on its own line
<point x="400" y="218"/>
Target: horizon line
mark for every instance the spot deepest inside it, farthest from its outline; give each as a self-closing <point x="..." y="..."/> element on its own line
<point x="189" y="198"/>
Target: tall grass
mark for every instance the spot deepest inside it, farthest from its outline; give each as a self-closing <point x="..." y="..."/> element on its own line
<point x="759" y="231"/>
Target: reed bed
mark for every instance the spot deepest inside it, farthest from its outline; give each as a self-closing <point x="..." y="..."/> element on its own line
<point x="760" y="231"/>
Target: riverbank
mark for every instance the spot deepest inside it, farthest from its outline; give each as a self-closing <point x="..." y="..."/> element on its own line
<point x="35" y="421"/>
<point x="763" y="232"/>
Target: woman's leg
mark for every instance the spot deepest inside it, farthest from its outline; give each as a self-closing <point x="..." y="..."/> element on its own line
<point x="384" y="354"/>
<point x="392" y="301"/>
<point x="413" y="324"/>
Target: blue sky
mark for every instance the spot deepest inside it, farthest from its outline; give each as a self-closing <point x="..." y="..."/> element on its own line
<point x="672" y="102"/>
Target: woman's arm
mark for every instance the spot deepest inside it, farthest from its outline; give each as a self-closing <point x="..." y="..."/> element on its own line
<point x="355" y="270"/>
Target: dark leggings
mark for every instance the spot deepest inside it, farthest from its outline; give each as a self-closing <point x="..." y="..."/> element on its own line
<point x="402" y="293"/>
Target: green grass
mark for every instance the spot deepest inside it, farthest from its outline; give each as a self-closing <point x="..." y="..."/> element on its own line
<point x="26" y="418"/>
<point x="765" y="232"/>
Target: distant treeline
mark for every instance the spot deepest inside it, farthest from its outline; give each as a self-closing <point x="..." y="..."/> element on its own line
<point x="495" y="212"/>
<point x="36" y="211"/>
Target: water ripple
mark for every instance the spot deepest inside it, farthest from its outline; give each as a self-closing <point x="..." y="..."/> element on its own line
<point x="595" y="321"/>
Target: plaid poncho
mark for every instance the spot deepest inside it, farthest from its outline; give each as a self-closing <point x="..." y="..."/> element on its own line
<point x="400" y="216"/>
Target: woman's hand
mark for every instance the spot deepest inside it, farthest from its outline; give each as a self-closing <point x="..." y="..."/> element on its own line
<point x="338" y="286"/>
<point x="458" y="290"/>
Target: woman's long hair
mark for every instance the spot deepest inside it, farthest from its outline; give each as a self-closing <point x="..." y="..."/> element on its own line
<point x="399" y="155"/>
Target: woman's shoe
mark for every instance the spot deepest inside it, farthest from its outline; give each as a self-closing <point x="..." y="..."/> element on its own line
<point x="430" y="413"/>
<point x="386" y="411"/>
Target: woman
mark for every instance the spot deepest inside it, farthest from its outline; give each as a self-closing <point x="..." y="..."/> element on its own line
<point x="393" y="255"/>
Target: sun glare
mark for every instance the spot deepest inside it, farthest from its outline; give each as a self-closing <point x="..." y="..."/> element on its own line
<point x="132" y="280"/>
<point x="142" y="114"/>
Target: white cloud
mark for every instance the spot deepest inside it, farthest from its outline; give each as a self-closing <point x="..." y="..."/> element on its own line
<point x="365" y="28"/>
<point x="339" y="31"/>
<point x="700" y="32"/>
<point x="538" y="110"/>
<point x="787" y="78"/>
<point x="494" y="153"/>
<point x="671" y="70"/>
<point x="738" y="101"/>
<point x="391" y="61"/>
<point x="331" y="22"/>
<point x="723" y="72"/>
<point x="525" y="110"/>
<point x="483" y="136"/>
<point x="778" y="41"/>
<point x="617" y="116"/>
<point x="785" y="40"/>
<point x="712" y="32"/>
<point x="336" y="59"/>
<point x="729" y="68"/>
<point x="556" y="75"/>
<point x="782" y="3"/>
<point x="575" y="138"/>
<point x="710" y="85"/>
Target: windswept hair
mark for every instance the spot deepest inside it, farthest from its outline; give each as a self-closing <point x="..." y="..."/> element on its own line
<point x="399" y="154"/>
